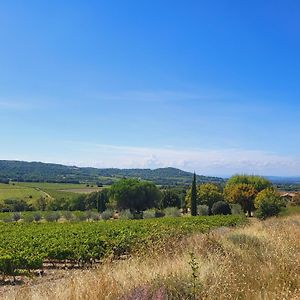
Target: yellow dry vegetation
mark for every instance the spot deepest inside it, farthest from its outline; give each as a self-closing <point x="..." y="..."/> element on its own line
<point x="257" y="261"/>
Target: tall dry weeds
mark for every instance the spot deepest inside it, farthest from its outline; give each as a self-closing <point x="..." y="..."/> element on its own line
<point x="259" y="261"/>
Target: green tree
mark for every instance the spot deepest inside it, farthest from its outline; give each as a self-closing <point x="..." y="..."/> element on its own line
<point x="170" y="199"/>
<point x="103" y="198"/>
<point x="221" y="208"/>
<point x="268" y="203"/>
<point x="134" y="195"/>
<point x="77" y="203"/>
<point x="194" y="197"/>
<point x="41" y="203"/>
<point x="243" y="194"/>
<point x="58" y="204"/>
<point x="259" y="183"/>
<point x="243" y="189"/>
<point x="207" y="194"/>
<point x="268" y="194"/>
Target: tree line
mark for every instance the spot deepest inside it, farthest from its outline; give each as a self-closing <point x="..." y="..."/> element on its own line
<point x="249" y="192"/>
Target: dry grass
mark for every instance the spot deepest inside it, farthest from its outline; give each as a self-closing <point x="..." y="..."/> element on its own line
<point x="259" y="261"/>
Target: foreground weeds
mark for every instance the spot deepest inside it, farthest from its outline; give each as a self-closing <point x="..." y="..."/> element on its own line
<point x="259" y="261"/>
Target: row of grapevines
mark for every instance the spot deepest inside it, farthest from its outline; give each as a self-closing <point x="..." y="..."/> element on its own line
<point x="25" y="247"/>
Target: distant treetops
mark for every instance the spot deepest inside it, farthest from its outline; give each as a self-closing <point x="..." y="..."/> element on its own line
<point x="249" y="191"/>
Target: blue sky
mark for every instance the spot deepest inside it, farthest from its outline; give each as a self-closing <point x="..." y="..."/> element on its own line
<point x="211" y="86"/>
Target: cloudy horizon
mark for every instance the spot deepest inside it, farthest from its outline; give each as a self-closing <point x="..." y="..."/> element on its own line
<point x="208" y="86"/>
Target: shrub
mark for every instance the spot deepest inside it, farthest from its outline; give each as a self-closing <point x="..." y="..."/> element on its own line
<point x="52" y="216"/>
<point x="7" y="219"/>
<point x="68" y="215"/>
<point x="172" y="212"/>
<point x="149" y="214"/>
<point x="296" y="200"/>
<point x="95" y="216"/>
<point x="269" y="203"/>
<point x="80" y="216"/>
<point x="107" y="214"/>
<point x="203" y="210"/>
<point x="268" y="208"/>
<point x="138" y="215"/>
<point x="159" y="214"/>
<point x="15" y="205"/>
<point x="37" y="217"/>
<point x="221" y="208"/>
<point x="16" y="216"/>
<point x="125" y="215"/>
<point x="236" y="209"/>
<point x="88" y="214"/>
<point x="28" y="218"/>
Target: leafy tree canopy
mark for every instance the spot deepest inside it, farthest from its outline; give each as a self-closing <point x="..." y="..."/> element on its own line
<point x="259" y="183"/>
<point x="135" y="195"/>
<point x="268" y="194"/>
<point x="207" y="194"/>
<point x="221" y="208"/>
<point x="170" y="199"/>
<point x="268" y="203"/>
<point x="243" y="194"/>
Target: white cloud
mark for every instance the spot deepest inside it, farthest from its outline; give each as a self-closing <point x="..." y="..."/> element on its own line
<point x="215" y="162"/>
<point x="204" y="161"/>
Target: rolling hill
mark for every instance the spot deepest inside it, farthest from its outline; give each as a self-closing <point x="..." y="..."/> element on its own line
<point x="48" y="172"/>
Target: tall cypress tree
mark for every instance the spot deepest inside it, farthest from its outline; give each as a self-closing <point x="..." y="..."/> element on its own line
<point x="194" y="197"/>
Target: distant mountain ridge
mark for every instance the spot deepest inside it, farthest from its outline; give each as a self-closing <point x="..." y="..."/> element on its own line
<point x="284" y="180"/>
<point x="49" y="172"/>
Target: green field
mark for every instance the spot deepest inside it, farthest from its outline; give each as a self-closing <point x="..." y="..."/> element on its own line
<point x="56" y="186"/>
<point x="29" y="194"/>
<point x="27" y="246"/>
<point x="31" y="191"/>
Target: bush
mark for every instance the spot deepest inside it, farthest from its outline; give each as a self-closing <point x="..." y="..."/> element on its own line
<point x="138" y="215"/>
<point x="88" y="214"/>
<point x="15" y="205"/>
<point x="16" y="216"/>
<point x="149" y="214"/>
<point x="268" y="208"/>
<point x="37" y="217"/>
<point x="52" y="216"/>
<point x="203" y="210"/>
<point x="221" y="208"/>
<point x="236" y="209"/>
<point x="107" y="214"/>
<point x="68" y="215"/>
<point x="7" y="219"/>
<point x="268" y="203"/>
<point x="296" y="200"/>
<point x="159" y="214"/>
<point x="80" y="216"/>
<point x="28" y="218"/>
<point x="125" y="214"/>
<point x="95" y="216"/>
<point x="172" y="212"/>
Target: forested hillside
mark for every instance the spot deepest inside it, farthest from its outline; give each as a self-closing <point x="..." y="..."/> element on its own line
<point x="45" y="172"/>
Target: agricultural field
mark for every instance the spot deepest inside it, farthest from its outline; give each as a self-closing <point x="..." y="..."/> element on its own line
<point x="58" y="186"/>
<point x="31" y="191"/>
<point x="26" y="247"/>
<point x="257" y="261"/>
<point x="21" y="192"/>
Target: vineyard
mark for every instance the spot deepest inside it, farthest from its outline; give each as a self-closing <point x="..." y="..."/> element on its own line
<point x="28" y="247"/>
